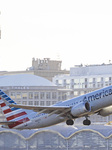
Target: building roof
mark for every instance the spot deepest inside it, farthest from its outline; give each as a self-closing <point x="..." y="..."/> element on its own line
<point x="91" y="70"/>
<point x="63" y="130"/>
<point x="24" y="80"/>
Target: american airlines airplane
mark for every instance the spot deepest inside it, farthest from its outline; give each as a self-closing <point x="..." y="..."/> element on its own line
<point x="33" y="117"/>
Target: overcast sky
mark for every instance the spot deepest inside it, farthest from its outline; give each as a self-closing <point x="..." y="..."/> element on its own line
<point x="74" y="31"/>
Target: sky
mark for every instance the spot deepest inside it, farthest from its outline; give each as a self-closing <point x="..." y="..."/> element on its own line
<point x="74" y="31"/>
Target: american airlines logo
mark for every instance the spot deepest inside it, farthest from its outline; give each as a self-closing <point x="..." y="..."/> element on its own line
<point x="98" y="95"/>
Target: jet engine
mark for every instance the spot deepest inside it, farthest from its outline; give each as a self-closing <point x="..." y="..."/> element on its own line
<point x="80" y="109"/>
<point x="106" y="111"/>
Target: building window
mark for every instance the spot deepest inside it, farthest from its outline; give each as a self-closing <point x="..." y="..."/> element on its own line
<point x="98" y="79"/>
<point x="24" y="95"/>
<point x="76" y="86"/>
<point x="48" y="103"/>
<point x="54" y="102"/>
<point x="82" y="93"/>
<point x="59" y="96"/>
<point x="30" y="95"/>
<point x="36" y="102"/>
<point x="90" y="85"/>
<point x="102" y="85"/>
<point x="76" y="81"/>
<point x="60" y="82"/>
<point x="56" y="82"/>
<point x="110" y="78"/>
<point x="54" y="95"/>
<point x="42" y="103"/>
<point x="82" y="85"/>
<point x="18" y="102"/>
<point x="72" y="86"/>
<point x="13" y="95"/>
<point x="75" y="93"/>
<point x="90" y="80"/>
<point x="82" y="81"/>
<point x="94" y="79"/>
<point x="18" y="95"/>
<point x="101" y="79"/>
<point x="36" y="95"/>
<point x="30" y="102"/>
<point x="72" y="81"/>
<point x="94" y="85"/>
<point x="85" y="79"/>
<point x="106" y="79"/>
<point x="86" y="86"/>
<point x="64" y="96"/>
<point x="42" y="95"/>
<point x="24" y="102"/>
<point x="48" y="95"/>
<point x="106" y="84"/>
<point x="68" y="81"/>
<point x="99" y="85"/>
<point x="64" y="82"/>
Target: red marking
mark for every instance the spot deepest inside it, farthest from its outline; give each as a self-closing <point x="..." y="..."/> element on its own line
<point x="16" y="115"/>
<point x="7" y="111"/>
<point x="19" y="122"/>
<point x="3" y="104"/>
<point x="0" y="98"/>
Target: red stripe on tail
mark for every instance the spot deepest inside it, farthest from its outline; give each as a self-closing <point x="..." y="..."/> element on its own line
<point x="16" y="115"/>
<point x="7" y="111"/>
<point x="3" y="104"/>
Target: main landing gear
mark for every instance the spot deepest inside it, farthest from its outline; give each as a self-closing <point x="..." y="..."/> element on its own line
<point x="86" y="122"/>
<point x="70" y="122"/>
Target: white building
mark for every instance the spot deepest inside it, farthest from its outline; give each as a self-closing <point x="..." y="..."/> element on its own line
<point x="84" y="79"/>
<point x="30" y="89"/>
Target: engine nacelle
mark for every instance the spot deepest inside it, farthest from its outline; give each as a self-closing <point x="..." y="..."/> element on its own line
<point x="106" y="111"/>
<point x="80" y="109"/>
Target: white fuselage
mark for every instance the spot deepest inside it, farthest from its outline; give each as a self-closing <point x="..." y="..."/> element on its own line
<point x="98" y="100"/>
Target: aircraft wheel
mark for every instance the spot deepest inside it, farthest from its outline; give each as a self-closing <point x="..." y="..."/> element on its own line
<point x="69" y="122"/>
<point x="86" y="122"/>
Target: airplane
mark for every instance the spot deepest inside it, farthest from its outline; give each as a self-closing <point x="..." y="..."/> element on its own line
<point x="34" y="117"/>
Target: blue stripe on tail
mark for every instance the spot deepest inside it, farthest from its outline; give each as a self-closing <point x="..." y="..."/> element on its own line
<point x="8" y="99"/>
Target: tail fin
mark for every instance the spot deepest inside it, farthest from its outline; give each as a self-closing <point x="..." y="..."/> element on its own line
<point x="12" y="114"/>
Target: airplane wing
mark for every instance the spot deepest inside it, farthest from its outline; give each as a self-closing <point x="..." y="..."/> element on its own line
<point x="45" y="109"/>
<point x="7" y="123"/>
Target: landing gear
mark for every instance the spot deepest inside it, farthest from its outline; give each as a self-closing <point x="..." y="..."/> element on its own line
<point x="70" y="122"/>
<point x="86" y="122"/>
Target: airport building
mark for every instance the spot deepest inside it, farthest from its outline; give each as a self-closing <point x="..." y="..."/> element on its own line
<point x="58" y="137"/>
<point x="28" y="89"/>
<point x="84" y="79"/>
<point x="32" y="90"/>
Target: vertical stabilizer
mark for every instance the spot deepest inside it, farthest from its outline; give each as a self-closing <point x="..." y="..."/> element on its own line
<point x="12" y="114"/>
